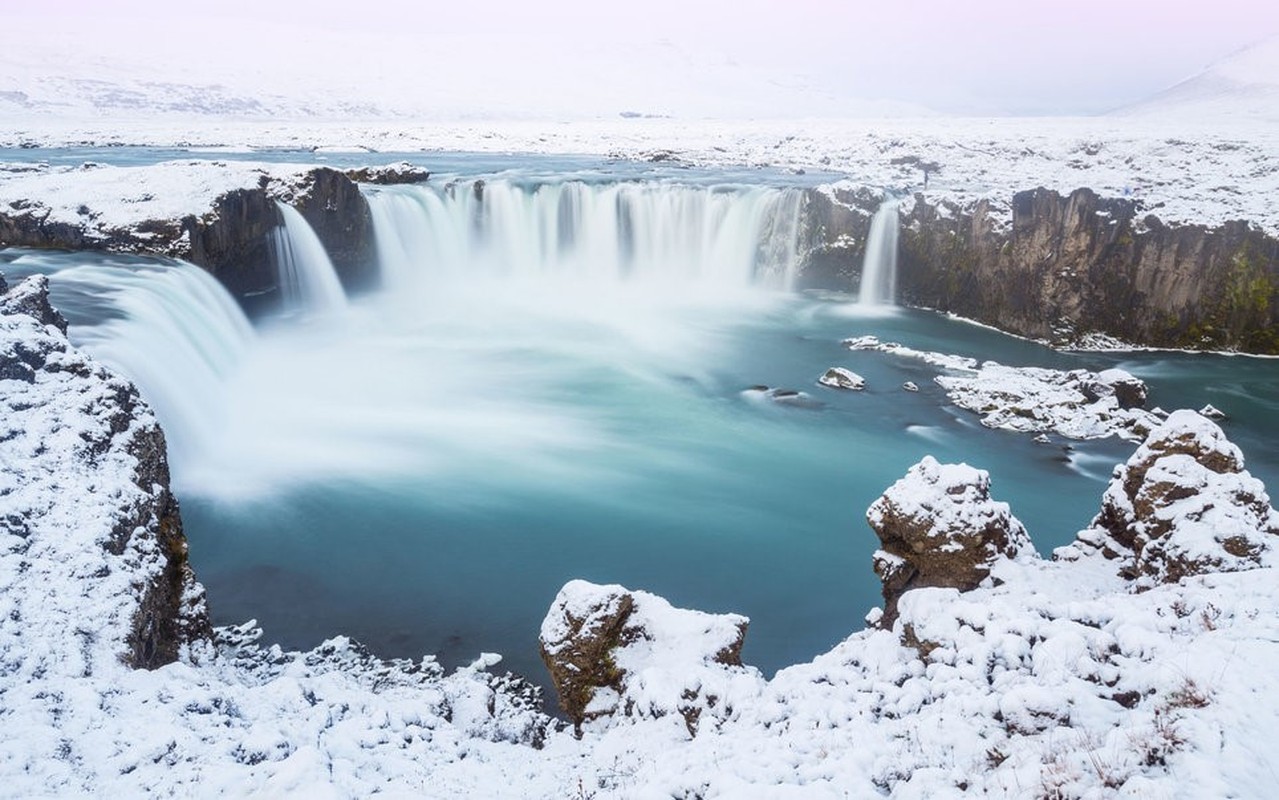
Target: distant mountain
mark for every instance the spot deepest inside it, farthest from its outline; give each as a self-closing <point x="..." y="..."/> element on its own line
<point x="1244" y="85"/>
<point x="280" y="73"/>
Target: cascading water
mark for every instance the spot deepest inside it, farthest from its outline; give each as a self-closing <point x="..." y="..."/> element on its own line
<point x="308" y="281"/>
<point x="175" y="332"/>
<point x="644" y="234"/>
<point x="879" y="266"/>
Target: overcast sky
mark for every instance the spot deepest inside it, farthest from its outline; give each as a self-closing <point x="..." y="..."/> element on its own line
<point x="979" y="56"/>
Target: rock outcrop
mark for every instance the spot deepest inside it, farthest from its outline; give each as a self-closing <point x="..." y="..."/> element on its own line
<point x="110" y="568"/>
<point x="1182" y="505"/>
<point x="612" y="651"/>
<point x="939" y="527"/>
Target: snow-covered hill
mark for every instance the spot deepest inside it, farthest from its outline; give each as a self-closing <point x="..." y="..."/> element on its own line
<point x="1243" y="86"/>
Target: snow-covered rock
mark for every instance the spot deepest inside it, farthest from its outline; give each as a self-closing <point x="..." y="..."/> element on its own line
<point x="1183" y="505"/>
<point x="1212" y="412"/>
<point x="31" y="297"/>
<point x="841" y="378"/>
<point x="938" y="526"/>
<point x="612" y="651"/>
<point x="1077" y="404"/>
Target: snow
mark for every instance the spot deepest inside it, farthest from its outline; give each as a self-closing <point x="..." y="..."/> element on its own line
<point x="1037" y="400"/>
<point x="951" y="500"/>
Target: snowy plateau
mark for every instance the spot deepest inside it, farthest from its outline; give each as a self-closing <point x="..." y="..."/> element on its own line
<point x="1137" y="661"/>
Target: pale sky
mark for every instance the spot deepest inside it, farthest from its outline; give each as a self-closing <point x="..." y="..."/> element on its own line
<point x="983" y="56"/>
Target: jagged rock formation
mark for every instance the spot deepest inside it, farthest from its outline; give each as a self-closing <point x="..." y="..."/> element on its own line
<point x="1182" y="505"/>
<point x="31" y="297"/>
<point x="112" y="566"/>
<point x="939" y="527"/>
<point x="613" y="651"/>
<point x="1064" y="267"/>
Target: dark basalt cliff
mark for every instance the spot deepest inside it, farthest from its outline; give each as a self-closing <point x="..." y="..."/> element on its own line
<point x="1065" y="267"/>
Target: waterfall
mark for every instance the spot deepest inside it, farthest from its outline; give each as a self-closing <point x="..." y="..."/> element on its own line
<point x="638" y="233"/>
<point x="879" y="266"/>
<point x="308" y="281"/>
<point x="175" y="332"/>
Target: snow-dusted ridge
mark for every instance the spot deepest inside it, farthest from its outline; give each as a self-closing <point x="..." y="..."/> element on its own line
<point x="1050" y="678"/>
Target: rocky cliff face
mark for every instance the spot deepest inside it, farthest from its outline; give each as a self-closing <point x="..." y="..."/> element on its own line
<point x="231" y="238"/>
<point x="109" y="569"/>
<point x="1066" y="266"/>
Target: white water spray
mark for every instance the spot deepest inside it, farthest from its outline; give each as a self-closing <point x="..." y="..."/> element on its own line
<point x="879" y="265"/>
<point x="659" y="235"/>
<point x="308" y="281"/>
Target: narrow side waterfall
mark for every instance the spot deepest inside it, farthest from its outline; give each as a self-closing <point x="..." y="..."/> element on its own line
<point x="879" y="266"/>
<point x="640" y="233"/>
<point x="176" y="333"/>
<point x="308" y="281"/>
